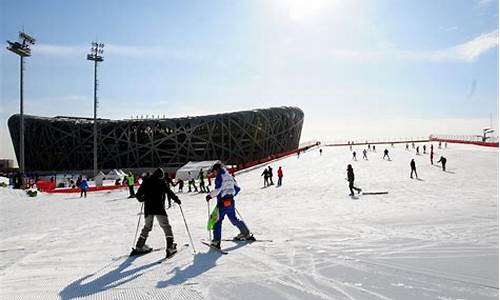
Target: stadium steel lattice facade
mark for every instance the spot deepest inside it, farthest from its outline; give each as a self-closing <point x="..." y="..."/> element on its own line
<point x="65" y="143"/>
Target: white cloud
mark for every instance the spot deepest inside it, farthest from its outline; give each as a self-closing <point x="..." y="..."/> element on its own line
<point x="466" y="52"/>
<point x="58" y="50"/>
<point x="472" y="49"/>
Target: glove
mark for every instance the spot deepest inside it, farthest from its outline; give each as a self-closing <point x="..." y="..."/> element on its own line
<point x="208" y="197"/>
<point x="177" y="200"/>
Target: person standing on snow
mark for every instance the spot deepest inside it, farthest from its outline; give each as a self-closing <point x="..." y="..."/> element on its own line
<point x="152" y="192"/>
<point x="364" y="154"/>
<point x="424" y="149"/>
<point x="432" y="157"/>
<point x="442" y="160"/>
<point x="413" y="169"/>
<point x="84" y="186"/>
<point x="130" y="184"/>
<point x="280" y="176"/>
<point x="350" y="178"/>
<point x="202" y="181"/>
<point x="266" y="176"/>
<point x="354" y="155"/>
<point x="225" y="190"/>
<point x="407" y="147"/>
<point x="192" y="183"/>
<point x="270" y="174"/>
<point x="386" y="153"/>
<point x="418" y="151"/>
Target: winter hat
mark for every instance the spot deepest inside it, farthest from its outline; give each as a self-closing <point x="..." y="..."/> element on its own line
<point x="158" y="173"/>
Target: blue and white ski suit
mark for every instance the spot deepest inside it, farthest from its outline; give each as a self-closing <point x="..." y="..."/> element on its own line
<point x="225" y="190"/>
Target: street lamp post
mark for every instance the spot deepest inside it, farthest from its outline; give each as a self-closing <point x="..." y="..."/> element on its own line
<point x="21" y="48"/>
<point x="95" y="55"/>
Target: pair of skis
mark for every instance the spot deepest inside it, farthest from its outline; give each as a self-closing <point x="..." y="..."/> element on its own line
<point x="137" y="253"/>
<point x="223" y="252"/>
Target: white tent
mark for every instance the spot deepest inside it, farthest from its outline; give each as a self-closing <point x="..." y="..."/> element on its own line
<point x="115" y="174"/>
<point x="194" y="168"/>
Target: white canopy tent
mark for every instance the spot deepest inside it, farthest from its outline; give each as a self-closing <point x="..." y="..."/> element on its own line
<point x="115" y="174"/>
<point x="192" y="169"/>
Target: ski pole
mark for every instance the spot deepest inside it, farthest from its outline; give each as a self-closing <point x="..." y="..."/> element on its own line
<point x="241" y="217"/>
<point x="138" y="222"/>
<point x="208" y="211"/>
<point x="187" y="229"/>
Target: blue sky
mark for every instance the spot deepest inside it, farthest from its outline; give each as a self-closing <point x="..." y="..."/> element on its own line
<point x="357" y="68"/>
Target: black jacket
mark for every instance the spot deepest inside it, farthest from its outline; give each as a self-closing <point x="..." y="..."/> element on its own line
<point x="350" y="175"/>
<point x="152" y="192"/>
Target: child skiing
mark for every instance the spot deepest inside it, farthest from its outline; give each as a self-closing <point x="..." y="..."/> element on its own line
<point x="350" y="178"/>
<point x="84" y="186"/>
<point x="225" y="190"/>
<point x="152" y="192"/>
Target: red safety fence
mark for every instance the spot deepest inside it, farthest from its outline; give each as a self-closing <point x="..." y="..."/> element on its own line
<point x="50" y="187"/>
<point x="485" y="144"/>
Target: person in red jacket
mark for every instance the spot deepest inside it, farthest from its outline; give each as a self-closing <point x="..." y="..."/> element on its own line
<point x="280" y="175"/>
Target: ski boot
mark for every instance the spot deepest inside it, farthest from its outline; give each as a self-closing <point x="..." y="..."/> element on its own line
<point x="141" y="247"/>
<point x="215" y="244"/>
<point x="244" y="237"/>
<point x="171" y="247"/>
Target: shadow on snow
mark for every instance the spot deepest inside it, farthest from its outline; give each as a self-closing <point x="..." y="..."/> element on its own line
<point x="112" y="279"/>
<point x="202" y="262"/>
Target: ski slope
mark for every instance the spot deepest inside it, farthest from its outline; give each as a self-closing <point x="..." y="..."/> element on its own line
<point x="434" y="238"/>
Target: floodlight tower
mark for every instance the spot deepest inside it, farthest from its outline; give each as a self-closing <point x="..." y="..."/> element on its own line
<point x="95" y="55"/>
<point x="21" y="48"/>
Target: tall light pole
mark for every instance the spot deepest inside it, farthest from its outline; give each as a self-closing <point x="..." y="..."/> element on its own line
<point x="21" y="48"/>
<point x="95" y="55"/>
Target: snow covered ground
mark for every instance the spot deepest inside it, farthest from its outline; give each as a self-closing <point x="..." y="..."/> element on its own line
<point x="434" y="238"/>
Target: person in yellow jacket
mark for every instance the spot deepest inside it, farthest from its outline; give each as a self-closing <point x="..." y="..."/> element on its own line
<point x="130" y="184"/>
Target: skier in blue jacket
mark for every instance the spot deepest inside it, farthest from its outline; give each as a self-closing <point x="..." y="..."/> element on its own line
<point x="225" y="190"/>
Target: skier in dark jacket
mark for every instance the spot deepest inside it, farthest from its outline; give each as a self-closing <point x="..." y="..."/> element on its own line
<point x="354" y="155"/>
<point x="442" y="160"/>
<point x="364" y="154"/>
<point x="270" y="174"/>
<point x="202" y="181"/>
<point x="413" y="169"/>
<point x="152" y="192"/>
<point x="386" y="154"/>
<point x="350" y="178"/>
<point x="265" y="173"/>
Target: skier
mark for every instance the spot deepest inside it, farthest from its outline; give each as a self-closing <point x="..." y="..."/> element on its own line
<point x="413" y="169"/>
<point x="373" y="148"/>
<point x="442" y="160"/>
<point x="84" y="186"/>
<point x="152" y="192"/>
<point x="266" y="176"/>
<point x="180" y="182"/>
<point x="202" y="182"/>
<point x="169" y="182"/>
<point x="439" y="145"/>
<point x="130" y="184"/>
<point x="354" y="155"/>
<point x="350" y="178"/>
<point x="412" y="145"/>
<point x="270" y="174"/>
<point x="364" y="154"/>
<point x="192" y="183"/>
<point x="225" y="190"/>
<point x="424" y="149"/>
<point x="432" y="157"/>
<point x="320" y="152"/>
<point x="407" y="147"/>
<point x="418" y="152"/>
<point x="386" y="153"/>
<point x="280" y="175"/>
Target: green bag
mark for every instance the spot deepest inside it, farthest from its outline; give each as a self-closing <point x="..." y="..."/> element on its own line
<point x="214" y="217"/>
